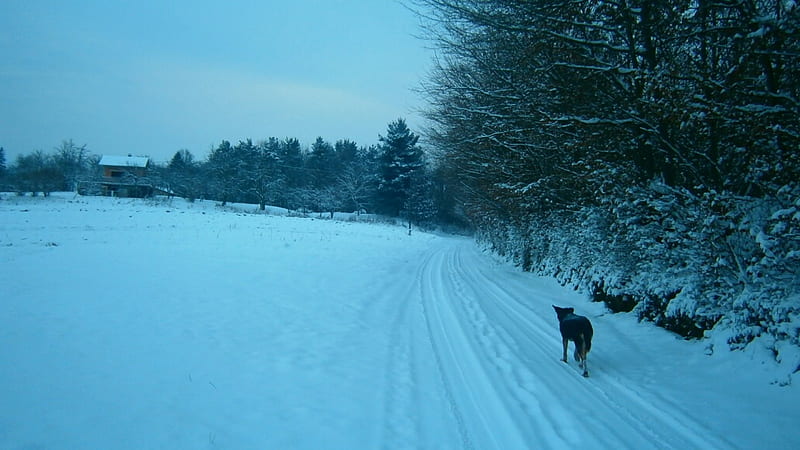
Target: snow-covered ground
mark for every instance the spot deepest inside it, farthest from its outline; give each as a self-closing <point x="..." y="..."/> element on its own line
<point x="131" y="324"/>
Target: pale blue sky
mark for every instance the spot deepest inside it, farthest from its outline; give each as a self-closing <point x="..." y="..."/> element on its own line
<point x="151" y="77"/>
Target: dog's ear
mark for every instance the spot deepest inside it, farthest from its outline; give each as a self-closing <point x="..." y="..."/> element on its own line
<point x="562" y="312"/>
<point x="569" y="310"/>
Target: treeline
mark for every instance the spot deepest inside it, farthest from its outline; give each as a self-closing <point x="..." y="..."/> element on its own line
<point x="325" y="177"/>
<point x="392" y="178"/>
<point x="41" y="172"/>
<point x="647" y="151"/>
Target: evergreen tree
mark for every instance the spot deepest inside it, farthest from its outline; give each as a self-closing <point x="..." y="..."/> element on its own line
<point x="266" y="180"/>
<point x="322" y="163"/>
<point x="358" y="179"/>
<point x="248" y="181"/>
<point x="223" y="167"/>
<point x="183" y="175"/>
<point x="420" y="207"/>
<point x="181" y="160"/>
<point x="2" y="162"/>
<point x="292" y="162"/>
<point x="346" y="152"/>
<point x="400" y="159"/>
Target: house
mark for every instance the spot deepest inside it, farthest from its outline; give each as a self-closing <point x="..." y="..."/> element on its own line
<point x="125" y="176"/>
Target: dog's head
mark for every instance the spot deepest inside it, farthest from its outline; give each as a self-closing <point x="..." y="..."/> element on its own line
<point x="563" y="312"/>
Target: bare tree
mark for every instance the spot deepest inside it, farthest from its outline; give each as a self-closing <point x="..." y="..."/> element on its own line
<point x="356" y="187"/>
<point x="73" y="161"/>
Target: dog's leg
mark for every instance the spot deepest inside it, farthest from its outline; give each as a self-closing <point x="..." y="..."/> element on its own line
<point x="579" y="349"/>
<point x="586" y="365"/>
<point x="584" y="354"/>
<point x="565" y="343"/>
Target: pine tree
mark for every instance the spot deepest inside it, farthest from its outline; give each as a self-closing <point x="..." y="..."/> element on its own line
<point x="346" y="152"/>
<point x="400" y="159"/>
<point x="181" y="160"/>
<point x="182" y="175"/>
<point x="322" y="163"/>
<point x="420" y="207"/>
<point x="266" y="180"/>
<point x="292" y="161"/>
<point x="2" y="162"/>
<point x="223" y="167"/>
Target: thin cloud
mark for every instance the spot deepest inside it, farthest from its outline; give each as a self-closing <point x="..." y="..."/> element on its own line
<point x="238" y="104"/>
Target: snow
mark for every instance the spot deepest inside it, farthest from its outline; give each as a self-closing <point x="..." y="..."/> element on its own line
<point x="124" y="161"/>
<point x="146" y="324"/>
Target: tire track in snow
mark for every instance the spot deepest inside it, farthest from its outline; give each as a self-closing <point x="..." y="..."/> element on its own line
<point x="519" y="386"/>
<point x="416" y="409"/>
<point x="467" y="373"/>
<point x="427" y="288"/>
<point x="554" y="386"/>
<point x="472" y="361"/>
<point x="663" y="425"/>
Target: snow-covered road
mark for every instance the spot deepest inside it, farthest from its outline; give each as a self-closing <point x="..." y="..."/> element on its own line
<point x="493" y="336"/>
<point x="127" y="324"/>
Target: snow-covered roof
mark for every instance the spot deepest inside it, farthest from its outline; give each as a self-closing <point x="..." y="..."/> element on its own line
<point x="124" y="161"/>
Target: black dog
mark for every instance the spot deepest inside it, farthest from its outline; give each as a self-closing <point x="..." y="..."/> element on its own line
<point x="577" y="329"/>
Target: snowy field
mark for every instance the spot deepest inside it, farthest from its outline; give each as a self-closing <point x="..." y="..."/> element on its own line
<point x="134" y="324"/>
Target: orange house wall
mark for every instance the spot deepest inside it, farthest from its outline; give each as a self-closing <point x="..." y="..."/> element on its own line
<point x="138" y="171"/>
